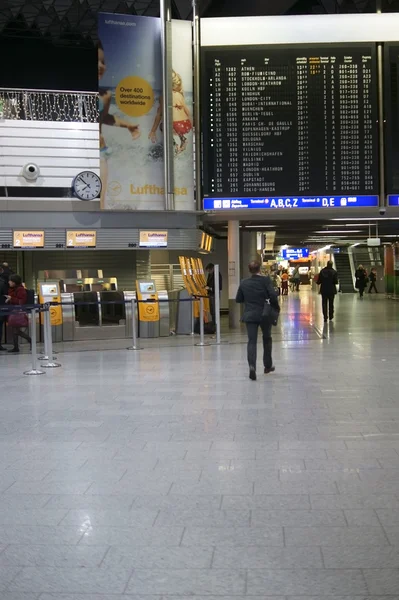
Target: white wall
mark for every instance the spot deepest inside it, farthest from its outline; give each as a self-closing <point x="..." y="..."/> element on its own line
<point x="299" y="29"/>
<point x="61" y="151"/>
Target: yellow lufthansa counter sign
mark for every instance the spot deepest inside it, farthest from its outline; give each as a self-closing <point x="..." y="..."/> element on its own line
<point x="153" y="239"/>
<point x="81" y="239"/>
<point x="28" y="239"/>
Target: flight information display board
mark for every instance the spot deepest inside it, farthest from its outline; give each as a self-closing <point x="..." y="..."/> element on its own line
<point x="294" y="121"/>
<point x="391" y="94"/>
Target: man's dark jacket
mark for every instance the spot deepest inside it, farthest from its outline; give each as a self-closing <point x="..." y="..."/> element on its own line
<point x="328" y="281"/>
<point x="253" y="293"/>
<point x="210" y="282"/>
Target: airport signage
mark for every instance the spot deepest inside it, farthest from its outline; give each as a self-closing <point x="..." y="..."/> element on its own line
<point x="393" y="200"/>
<point x="28" y="239"/>
<point x="295" y="253"/>
<point x="81" y="239"/>
<point x="153" y="239"/>
<point x="285" y="202"/>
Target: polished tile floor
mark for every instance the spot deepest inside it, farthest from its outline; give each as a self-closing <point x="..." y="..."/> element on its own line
<point x="167" y="474"/>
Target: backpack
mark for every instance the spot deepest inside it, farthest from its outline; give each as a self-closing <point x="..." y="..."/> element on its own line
<point x="30" y="297"/>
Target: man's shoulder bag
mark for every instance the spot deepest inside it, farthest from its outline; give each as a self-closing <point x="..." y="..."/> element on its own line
<point x="270" y="313"/>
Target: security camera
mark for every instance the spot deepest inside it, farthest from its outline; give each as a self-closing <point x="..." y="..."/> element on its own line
<point x="383" y="210"/>
<point x="31" y="172"/>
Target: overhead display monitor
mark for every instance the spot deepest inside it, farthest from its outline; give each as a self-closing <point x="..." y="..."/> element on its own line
<point x="290" y="126"/>
<point x="295" y="253"/>
<point x="28" y="239"/>
<point x="153" y="239"/>
<point x="391" y="95"/>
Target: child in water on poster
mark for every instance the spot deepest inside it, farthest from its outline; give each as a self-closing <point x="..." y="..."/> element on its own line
<point x="182" y="124"/>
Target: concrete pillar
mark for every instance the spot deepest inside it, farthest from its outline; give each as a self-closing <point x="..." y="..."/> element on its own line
<point x="233" y="251"/>
<point x="249" y="250"/>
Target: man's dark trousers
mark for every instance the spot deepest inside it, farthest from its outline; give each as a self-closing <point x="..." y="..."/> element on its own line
<point x="328" y="306"/>
<point x="252" y="330"/>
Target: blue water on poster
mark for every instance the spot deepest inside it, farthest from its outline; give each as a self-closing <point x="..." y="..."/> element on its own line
<point x="290" y="202"/>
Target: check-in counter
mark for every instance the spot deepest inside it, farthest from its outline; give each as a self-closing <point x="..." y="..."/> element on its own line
<point x="96" y="320"/>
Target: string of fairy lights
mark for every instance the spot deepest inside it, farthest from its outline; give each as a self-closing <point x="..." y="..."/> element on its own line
<point x="48" y="106"/>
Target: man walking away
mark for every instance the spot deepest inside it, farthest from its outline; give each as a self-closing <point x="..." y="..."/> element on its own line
<point x="253" y="293"/>
<point x="328" y="281"/>
<point x="210" y="286"/>
<point x="373" y="280"/>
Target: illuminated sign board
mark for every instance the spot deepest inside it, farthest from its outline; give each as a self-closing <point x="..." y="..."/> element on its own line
<point x="153" y="239"/>
<point x="28" y="239"/>
<point x="393" y="200"/>
<point x="290" y="202"/>
<point x="81" y="239"/>
<point x="295" y="253"/>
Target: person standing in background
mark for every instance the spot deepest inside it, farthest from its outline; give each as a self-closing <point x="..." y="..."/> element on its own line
<point x="17" y="296"/>
<point x="284" y="283"/>
<point x="3" y="296"/>
<point x="296" y="278"/>
<point x="361" y="280"/>
<point x="210" y="286"/>
<point x="328" y="281"/>
<point x="373" y="280"/>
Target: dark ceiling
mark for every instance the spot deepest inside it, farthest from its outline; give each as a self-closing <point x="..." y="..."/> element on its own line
<point x="75" y="21"/>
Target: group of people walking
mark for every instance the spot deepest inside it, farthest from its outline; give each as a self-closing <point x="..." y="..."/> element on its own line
<point x="363" y="279"/>
<point x="12" y="294"/>
<point x="281" y="281"/>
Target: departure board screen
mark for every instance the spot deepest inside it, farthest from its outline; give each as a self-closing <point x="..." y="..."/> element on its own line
<point x="391" y="93"/>
<point x="289" y="121"/>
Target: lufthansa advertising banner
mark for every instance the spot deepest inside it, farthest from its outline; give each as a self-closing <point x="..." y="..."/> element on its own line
<point x="81" y="239"/>
<point x="28" y="239"/>
<point x="130" y="106"/>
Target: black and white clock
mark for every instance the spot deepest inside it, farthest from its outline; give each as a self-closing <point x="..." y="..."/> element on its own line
<point x="87" y="185"/>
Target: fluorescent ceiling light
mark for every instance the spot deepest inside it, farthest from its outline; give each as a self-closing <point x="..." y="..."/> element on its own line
<point x="369" y="219"/>
<point x="340" y="231"/>
<point x="257" y="226"/>
<point x="347" y="225"/>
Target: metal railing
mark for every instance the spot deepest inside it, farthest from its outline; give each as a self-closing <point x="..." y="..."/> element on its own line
<point x="48" y="105"/>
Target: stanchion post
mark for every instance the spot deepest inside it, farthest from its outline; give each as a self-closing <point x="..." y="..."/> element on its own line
<point x="202" y="336"/>
<point x="45" y="338"/>
<point x="48" y="341"/>
<point x="217" y="303"/>
<point x="34" y="370"/>
<point x="134" y="332"/>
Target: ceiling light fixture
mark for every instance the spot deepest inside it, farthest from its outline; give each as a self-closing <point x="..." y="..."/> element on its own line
<point x="340" y="231"/>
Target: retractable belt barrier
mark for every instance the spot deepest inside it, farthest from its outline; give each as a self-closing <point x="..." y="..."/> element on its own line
<point x="34" y="309"/>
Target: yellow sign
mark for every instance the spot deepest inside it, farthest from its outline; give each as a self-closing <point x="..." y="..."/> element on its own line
<point x="153" y="239"/>
<point x="81" y="239"/>
<point x="134" y="96"/>
<point x="28" y="239"/>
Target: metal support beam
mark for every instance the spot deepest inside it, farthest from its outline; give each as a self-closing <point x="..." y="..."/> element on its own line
<point x="197" y="104"/>
<point x="167" y="102"/>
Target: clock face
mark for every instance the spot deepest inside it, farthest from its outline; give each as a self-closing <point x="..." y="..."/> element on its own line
<point x="87" y="185"/>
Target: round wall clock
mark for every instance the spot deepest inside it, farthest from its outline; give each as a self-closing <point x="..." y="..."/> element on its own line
<point x="87" y="185"/>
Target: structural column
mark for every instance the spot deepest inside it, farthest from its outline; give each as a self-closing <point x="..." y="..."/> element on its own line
<point x="233" y="250"/>
<point x="167" y="102"/>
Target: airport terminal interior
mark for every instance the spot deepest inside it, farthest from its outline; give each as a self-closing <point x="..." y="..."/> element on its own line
<point x="159" y="153"/>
